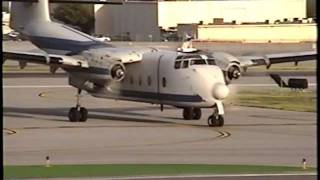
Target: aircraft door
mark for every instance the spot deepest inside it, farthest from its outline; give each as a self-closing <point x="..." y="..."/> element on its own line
<point x="159" y="78"/>
<point x="165" y="76"/>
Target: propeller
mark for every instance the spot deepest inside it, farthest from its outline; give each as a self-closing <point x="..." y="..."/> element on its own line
<point x="118" y="72"/>
<point x="234" y="72"/>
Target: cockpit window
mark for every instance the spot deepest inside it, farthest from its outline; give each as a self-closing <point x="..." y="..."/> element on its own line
<point x="177" y="64"/>
<point x="211" y="61"/>
<point x="197" y="62"/>
<point x="185" y="64"/>
<point x="182" y="61"/>
<point x="188" y="57"/>
<point x="179" y="57"/>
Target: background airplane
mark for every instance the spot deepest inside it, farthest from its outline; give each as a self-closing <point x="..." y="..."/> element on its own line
<point x="187" y="80"/>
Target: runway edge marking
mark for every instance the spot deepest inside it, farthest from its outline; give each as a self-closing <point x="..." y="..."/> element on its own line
<point x="204" y="176"/>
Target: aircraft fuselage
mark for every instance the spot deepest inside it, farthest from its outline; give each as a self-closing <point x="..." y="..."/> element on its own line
<point x="162" y="77"/>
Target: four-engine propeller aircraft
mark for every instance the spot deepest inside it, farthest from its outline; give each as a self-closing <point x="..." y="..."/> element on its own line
<point x="190" y="81"/>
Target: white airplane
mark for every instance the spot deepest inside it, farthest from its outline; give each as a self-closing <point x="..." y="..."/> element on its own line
<point x="190" y="81"/>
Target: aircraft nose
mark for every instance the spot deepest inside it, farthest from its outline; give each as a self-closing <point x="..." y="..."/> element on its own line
<point x="220" y="91"/>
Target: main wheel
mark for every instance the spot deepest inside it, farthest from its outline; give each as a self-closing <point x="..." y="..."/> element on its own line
<point x="187" y="113"/>
<point x="83" y="114"/>
<point x="196" y="113"/>
<point x="74" y="115"/>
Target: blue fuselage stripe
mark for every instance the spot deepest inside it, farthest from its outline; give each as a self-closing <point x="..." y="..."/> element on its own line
<point x="70" y="46"/>
<point x="162" y="96"/>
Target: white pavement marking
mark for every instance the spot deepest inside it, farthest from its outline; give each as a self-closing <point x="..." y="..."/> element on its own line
<point x="67" y="86"/>
<point x="192" y="176"/>
<point x="262" y="85"/>
<point x="209" y="176"/>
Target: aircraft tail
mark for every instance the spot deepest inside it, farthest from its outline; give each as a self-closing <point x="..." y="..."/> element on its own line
<point x="32" y="20"/>
<point x="24" y="13"/>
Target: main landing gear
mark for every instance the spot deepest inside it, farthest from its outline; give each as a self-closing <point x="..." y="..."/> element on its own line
<point x="78" y="113"/>
<point x="190" y="113"/>
<point x="214" y="120"/>
<point x="217" y="119"/>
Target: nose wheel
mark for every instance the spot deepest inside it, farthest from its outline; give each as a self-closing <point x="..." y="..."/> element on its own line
<point x="78" y="113"/>
<point x="217" y="119"/>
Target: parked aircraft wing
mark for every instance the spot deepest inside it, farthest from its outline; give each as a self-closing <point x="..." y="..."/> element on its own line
<point x="269" y="59"/>
<point x="46" y="59"/>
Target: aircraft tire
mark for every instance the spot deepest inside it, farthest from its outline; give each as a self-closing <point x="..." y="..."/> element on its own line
<point x="213" y="121"/>
<point x="220" y="120"/>
<point x="187" y="113"/>
<point x="83" y="114"/>
<point x="196" y="113"/>
<point x="209" y="121"/>
<point x="74" y="115"/>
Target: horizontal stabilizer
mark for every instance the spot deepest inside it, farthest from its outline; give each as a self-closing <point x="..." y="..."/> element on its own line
<point x="278" y="80"/>
<point x="294" y="83"/>
<point x="298" y="83"/>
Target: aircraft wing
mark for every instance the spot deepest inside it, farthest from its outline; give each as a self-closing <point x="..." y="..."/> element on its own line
<point x="55" y="61"/>
<point x="269" y="59"/>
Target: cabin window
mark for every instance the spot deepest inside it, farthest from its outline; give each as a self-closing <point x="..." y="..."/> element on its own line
<point x="164" y="82"/>
<point x="140" y="81"/>
<point x="185" y="64"/>
<point x="149" y="80"/>
<point x="131" y="79"/>
<point x="211" y="61"/>
<point x="197" y="62"/>
<point x="177" y="64"/>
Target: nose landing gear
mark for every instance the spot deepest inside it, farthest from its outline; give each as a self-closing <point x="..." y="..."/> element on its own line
<point x="217" y="119"/>
<point x="78" y="113"/>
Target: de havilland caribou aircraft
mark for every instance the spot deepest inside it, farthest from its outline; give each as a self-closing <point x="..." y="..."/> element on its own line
<point x="186" y="79"/>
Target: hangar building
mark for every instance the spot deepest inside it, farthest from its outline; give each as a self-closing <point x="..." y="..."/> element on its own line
<point x="143" y="20"/>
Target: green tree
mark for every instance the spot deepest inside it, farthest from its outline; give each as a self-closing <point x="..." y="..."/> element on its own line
<point x="5" y="7"/>
<point x="80" y="15"/>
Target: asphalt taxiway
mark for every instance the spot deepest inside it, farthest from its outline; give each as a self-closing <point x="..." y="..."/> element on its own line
<point x="35" y="125"/>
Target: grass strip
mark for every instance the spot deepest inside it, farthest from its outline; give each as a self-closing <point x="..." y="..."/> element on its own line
<point x="277" y="98"/>
<point x="115" y="170"/>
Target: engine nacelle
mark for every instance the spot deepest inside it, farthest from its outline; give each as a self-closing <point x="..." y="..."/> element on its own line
<point x="103" y="67"/>
<point x="229" y="64"/>
<point x="102" y="73"/>
<point x="97" y="76"/>
<point x="107" y="71"/>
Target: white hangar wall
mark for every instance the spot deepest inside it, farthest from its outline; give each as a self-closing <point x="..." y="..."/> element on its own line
<point x="143" y="19"/>
<point x="173" y="12"/>
<point x="258" y="33"/>
<point x="139" y="19"/>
